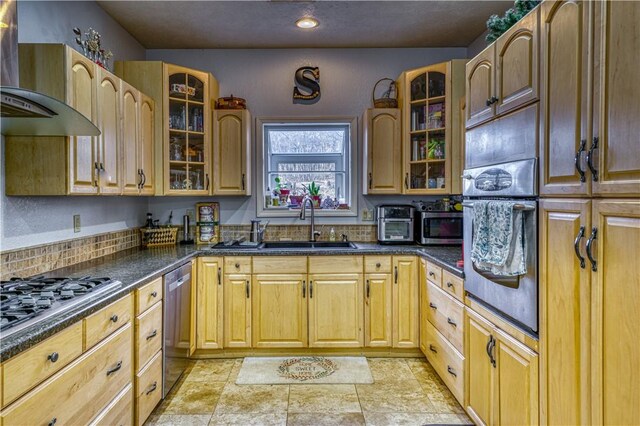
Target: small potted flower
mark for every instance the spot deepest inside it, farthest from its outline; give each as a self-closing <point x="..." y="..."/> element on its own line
<point x="314" y="192"/>
<point x="295" y="198"/>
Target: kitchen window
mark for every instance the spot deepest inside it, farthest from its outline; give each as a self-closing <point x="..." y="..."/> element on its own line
<point x="305" y="157"/>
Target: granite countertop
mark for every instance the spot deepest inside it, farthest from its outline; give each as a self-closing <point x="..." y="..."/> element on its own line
<point x="136" y="267"/>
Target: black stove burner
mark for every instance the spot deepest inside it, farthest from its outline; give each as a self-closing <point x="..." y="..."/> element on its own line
<point x="23" y="299"/>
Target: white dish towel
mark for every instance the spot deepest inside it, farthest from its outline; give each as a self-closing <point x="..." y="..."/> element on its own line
<point x="499" y="245"/>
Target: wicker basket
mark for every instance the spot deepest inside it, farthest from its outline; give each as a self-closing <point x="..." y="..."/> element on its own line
<point x="384" y="102"/>
<point x="157" y="237"/>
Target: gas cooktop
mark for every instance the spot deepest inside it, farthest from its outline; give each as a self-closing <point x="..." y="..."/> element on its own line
<point x="26" y="301"/>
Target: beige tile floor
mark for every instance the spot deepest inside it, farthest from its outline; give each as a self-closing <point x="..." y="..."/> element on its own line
<point x="407" y="391"/>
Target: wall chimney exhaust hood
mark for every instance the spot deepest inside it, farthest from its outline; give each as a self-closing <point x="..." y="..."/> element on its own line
<point x="27" y="113"/>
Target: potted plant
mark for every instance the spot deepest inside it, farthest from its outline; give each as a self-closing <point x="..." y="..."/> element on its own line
<point x="314" y="192"/>
<point x="282" y="190"/>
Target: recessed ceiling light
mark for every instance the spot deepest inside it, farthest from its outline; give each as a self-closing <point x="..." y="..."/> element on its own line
<point x="306" y="23"/>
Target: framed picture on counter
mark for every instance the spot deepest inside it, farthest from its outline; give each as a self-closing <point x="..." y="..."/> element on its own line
<point x="207" y="223"/>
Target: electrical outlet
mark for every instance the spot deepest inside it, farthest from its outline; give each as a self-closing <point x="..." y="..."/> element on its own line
<point x="367" y="214"/>
<point x="192" y="215"/>
<point x="76" y="223"/>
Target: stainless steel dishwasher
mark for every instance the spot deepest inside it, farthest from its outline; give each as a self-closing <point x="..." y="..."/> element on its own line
<point x="176" y="325"/>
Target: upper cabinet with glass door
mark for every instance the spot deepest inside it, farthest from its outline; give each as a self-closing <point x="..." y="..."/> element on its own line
<point x="431" y="138"/>
<point x="183" y="153"/>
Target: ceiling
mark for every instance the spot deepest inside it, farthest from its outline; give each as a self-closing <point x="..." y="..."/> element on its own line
<point x="270" y="24"/>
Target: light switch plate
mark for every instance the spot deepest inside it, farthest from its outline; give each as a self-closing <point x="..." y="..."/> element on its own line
<point x="76" y="223"/>
<point x="367" y="214"/>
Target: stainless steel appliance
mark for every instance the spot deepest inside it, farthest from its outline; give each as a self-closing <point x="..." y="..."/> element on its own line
<point x="176" y="325"/>
<point x="515" y="298"/>
<point x="395" y="223"/>
<point x="256" y="235"/>
<point x="434" y="228"/>
<point x="25" y="302"/>
<point x="24" y="112"/>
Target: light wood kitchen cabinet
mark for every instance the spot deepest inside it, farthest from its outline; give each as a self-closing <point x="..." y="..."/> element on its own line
<point x="502" y="375"/>
<point x="335" y="310"/>
<point x="516" y="64"/>
<point x="56" y="165"/>
<point x="615" y="301"/>
<point x="431" y="145"/>
<point x="424" y="305"/>
<point x="480" y="84"/>
<point x="148" y="388"/>
<point x="504" y="76"/>
<point x="209" y="303"/>
<point x="378" y="310"/>
<point x="99" y="325"/>
<point x="564" y="311"/>
<point x="616" y="160"/>
<point x="406" y="302"/>
<point x="138" y="141"/>
<point x="279" y="306"/>
<point x="119" y="411"/>
<point x="232" y="152"/>
<point x="182" y="127"/>
<point x="564" y="124"/>
<point x="237" y="310"/>
<point x="110" y="118"/>
<point x="382" y="138"/>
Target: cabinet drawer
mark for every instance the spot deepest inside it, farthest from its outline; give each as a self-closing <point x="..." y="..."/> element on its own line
<point x="377" y="264"/>
<point x="26" y="370"/>
<point x="148" y="294"/>
<point x="148" y="335"/>
<point x="148" y="388"/>
<point x="119" y="412"/>
<point x="447" y="362"/>
<point x="434" y="274"/>
<point x="237" y="265"/>
<point x="335" y="264"/>
<point x="446" y="314"/>
<point x="76" y="394"/>
<point x="453" y="285"/>
<point x="107" y="320"/>
<point x="280" y="265"/>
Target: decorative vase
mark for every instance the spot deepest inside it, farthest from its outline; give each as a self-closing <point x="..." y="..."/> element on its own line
<point x="316" y="200"/>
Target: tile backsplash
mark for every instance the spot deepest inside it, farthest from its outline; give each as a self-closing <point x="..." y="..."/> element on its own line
<point x="26" y="262"/>
<point x="39" y="259"/>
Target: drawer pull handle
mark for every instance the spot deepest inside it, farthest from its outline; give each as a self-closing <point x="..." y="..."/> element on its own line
<point x="431" y="305"/>
<point x="114" y="369"/>
<point x="310" y="289"/>
<point x="53" y="421"/>
<point x="449" y="284"/>
<point x="154" y="294"/>
<point x="153" y="334"/>
<point x="452" y="322"/>
<point x="304" y="288"/>
<point x="153" y="387"/>
<point x="53" y="357"/>
<point x="432" y="274"/>
<point x="592" y="238"/>
<point x="433" y="349"/>
<point x="219" y="276"/>
<point x="451" y="371"/>
<point x="247" y="288"/>
<point x="368" y="289"/>
<point x="114" y="318"/>
<point x="396" y="275"/>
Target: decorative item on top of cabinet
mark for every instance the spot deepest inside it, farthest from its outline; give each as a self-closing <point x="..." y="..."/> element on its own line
<point x="431" y="145"/>
<point x="504" y="76"/>
<point x="232" y="152"/>
<point x="182" y="163"/>
<point x="382" y="161"/>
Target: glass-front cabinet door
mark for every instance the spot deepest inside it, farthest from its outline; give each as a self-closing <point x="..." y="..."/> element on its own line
<point x="187" y="166"/>
<point x="428" y="128"/>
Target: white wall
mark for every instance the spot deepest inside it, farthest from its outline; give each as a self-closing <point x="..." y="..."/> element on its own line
<point x="265" y="78"/>
<point x="28" y="221"/>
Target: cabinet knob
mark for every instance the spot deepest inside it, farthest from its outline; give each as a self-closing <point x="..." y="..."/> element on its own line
<point x="378" y="265"/>
<point x="53" y="421"/>
<point x="237" y="266"/>
<point x="53" y="357"/>
<point x="114" y="318"/>
<point x="154" y="294"/>
<point x="449" y="284"/>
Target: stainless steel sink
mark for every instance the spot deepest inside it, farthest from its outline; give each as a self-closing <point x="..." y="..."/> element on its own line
<point x="308" y="244"/>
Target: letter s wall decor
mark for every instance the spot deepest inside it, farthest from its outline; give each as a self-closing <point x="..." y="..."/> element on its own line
<point x="307" y="79"/>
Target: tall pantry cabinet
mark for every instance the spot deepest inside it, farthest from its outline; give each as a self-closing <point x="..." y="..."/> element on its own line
<point x="590" y="245"/>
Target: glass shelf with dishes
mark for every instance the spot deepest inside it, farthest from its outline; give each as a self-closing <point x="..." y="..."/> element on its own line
<point x="427" y="128"/>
